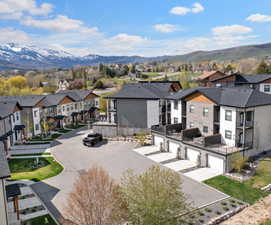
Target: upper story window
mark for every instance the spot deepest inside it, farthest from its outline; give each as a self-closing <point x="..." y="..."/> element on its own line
<point x="205" y="129"/>
<point x="175" y="120"/>
<point x="228" y="134"/>
<point x="75" y="105"/>
<point x="249" y="116"/>
<point x="205" y="112"/>
<point x="266" y="88"/>
<point x="35" y="113"/>
<point x="228" y="115"/>
<point x="17" y="115"/>
<point x="191" y="108"/>
<point x="176" y="104"/>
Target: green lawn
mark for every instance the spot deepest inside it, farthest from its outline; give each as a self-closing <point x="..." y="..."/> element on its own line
<point x="23" y="169"/>
<point x="42" y="220"/>
<point x="266" y="223"/>
<point x="238" y="190"/>
<point x="262" y="176"/>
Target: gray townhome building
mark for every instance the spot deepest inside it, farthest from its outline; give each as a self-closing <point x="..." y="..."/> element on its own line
<point x="210" y="125"/>
<point x="137" y="107"/>
<point x="30" y="113"/>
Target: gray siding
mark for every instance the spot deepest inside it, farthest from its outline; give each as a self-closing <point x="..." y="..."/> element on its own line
<point x="132" y="113"/>
<point x="198" y="119"/>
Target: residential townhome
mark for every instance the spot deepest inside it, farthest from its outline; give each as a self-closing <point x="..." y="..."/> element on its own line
<point x="86" y="105"/>
<point x="205" y="80"/>
<point x="10" y="125"/>
<point x="30" y="114"/>
<point x="261" y="82"/>
<point x="8" y="216"/>
<point x="210" y="125"/>
<point x="57" y="110"/>
<point x="137" y="107"/>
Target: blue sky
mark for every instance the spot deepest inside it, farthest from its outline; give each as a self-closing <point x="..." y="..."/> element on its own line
<point x="142" y="27"/>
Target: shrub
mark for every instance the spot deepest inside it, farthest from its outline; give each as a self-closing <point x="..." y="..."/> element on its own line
<point x="238" y="162"/>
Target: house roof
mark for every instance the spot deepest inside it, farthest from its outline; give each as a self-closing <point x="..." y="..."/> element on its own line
<point x="144" y="90"/>
<point x="54" y="99"/>
<point x="7" y="108"/>
<point x="4" y="169"/>
<point x="77" y="95"/>
<point x="252" y="79"/>
<point x="207" y="75"/>
<point x="235" y="97"/>
<point x="24" y="101"/>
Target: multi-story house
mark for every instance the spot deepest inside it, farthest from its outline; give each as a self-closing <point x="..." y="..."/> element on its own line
<point x="30" y="114"/>
<point x="57" y="110"/>
<point x="209" y="125"/>
<point x="10" y="124"/>
<point x="8" y="216"/>
<point x="137" y="107"/>
<point x="86" y="106"/>
<point x="205" y="80"/>
<point x="261" y="82"/>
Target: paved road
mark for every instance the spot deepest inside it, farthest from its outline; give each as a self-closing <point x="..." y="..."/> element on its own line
<point x="115" y="157"/>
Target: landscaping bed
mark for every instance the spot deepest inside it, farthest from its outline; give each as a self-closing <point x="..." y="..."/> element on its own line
<point x="42" y="220"/>
<point x="27" y="168"/>
<point x="35" y="154"/>
<point x="75" y="126"/>
<point x="242" y="191"/>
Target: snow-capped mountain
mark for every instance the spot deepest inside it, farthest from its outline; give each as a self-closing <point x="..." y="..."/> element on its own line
<point x="16" y="56"/>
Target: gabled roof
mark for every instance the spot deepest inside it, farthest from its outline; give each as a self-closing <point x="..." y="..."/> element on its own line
<point x="7" y="108"/>
<point x="144" y="90"/>
<point x="24" y="101"/>
<point x="207" y="75"/>
<point x="235" y="97"/>
<point x="252" y="79"/>
<point x="77" y="95"/>
<point x="54" y="99"/>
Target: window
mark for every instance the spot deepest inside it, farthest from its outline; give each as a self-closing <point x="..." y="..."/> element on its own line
<point x="176" y="105"/>
<point x="35" y="113"/>
<point x="228" y="134"/>
<point x="75" y="106"/>
<point x="205" y="129"/>
<point x="175" y="120"/>
<point x="37" y="126"/>
<point x="191" y="125"/>
<point x="17" y="115"/>
<point x="191" y="108"/>
<point x="249" y="116"/>
<point x="266" y="88"/>
<point x="205" y="112"/>
<point x="228" y="115"/>
<point x="63" y="108"/>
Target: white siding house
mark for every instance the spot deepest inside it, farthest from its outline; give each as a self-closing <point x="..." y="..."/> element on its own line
<point x="176" y="111"/>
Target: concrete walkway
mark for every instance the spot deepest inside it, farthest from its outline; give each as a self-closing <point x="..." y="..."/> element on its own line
<point x="146" y="150"/>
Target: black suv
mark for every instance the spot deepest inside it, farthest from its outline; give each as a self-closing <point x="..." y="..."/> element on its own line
<point x="92" y="139"/>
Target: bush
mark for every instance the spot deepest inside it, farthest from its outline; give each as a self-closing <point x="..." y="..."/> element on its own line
<point x="238" y="162"/>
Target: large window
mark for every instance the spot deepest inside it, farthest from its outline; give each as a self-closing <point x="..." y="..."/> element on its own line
<point x="228" y="115"/>
<point x="176" y="104"/>
<point x="228" y="134"/>
<point x="205" y="112"/>
<point x="266" y="88"/>
<point x="191" y="108"/>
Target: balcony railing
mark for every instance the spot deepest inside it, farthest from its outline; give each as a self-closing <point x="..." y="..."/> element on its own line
<point x="167" y="129"/>
<point x="249" y="124"/>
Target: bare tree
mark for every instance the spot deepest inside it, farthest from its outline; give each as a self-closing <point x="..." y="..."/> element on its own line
<point x="95" y="200"/>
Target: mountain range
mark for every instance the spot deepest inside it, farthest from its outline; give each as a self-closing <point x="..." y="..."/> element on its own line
<point x="25" y="57"/>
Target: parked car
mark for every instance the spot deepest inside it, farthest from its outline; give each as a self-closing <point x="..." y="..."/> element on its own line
<point x="92" y="139"/>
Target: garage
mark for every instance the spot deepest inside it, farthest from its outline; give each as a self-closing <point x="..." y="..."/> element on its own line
<point x="192" y="155"/>
<point x="158" y="140"/>
<point x="173" y="147"/>
<point x="216" y="163"/>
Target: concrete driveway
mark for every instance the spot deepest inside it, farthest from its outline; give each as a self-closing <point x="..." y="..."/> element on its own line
<point x="180" y="165"/>
<point x="162" y="157"/>
<point x="147" y="150"/>
<point x="203" y="174"/>
<point x="116" y="158"/>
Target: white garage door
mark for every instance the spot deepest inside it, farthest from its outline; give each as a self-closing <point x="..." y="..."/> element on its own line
<point x="173" y="147"/>
<point x="216" y="163"/>
<point x="192" y="155"/>
<point x="158" y="140"/>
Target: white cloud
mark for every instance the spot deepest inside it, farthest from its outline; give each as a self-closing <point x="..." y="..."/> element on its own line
<point x="259" y="18"/>
<point x="10" y="34"/>
<point x="231" y="30"/>
<point x="180" y="10"/>
<point x="60" y="23"/>
<point x="165" y="28"/>
<point x="8" y="7"/>
<point x="197" y="8"/>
